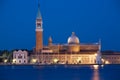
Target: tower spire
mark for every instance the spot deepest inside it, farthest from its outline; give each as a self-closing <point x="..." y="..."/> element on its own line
<point x="39" y="13"/>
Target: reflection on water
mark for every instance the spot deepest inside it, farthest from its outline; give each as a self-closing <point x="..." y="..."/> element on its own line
<point x="102" y="66"/>
<point x="63" y="72"/>
<point x="96" y="75"/>
<point x="95" y="67"/>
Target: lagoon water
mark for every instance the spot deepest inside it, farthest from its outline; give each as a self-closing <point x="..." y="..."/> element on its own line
<point x="59" y="72"/>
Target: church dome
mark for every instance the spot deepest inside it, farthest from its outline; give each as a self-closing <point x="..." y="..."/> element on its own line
<point x="73" y="39"/>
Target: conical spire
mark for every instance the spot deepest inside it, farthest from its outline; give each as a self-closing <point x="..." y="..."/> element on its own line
<point x="99" y="44"/>
<point x="39" y="13"/>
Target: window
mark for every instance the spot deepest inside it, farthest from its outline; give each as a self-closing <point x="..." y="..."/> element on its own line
<point x="20" y="56"/>
<point x="19" y="61"/>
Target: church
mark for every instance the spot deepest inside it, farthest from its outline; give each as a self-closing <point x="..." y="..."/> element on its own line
<point x="73" y="52"/>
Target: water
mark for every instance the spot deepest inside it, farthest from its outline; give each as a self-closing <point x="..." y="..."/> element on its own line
<point x="61" y="72"/>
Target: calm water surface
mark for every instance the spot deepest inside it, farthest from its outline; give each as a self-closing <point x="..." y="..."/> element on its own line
<point x="55" y="72"/>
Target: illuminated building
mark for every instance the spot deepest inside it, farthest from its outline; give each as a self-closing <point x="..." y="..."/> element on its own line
<point x="110" y="57"/>
<point x="73" y="52"/>
<point x="20" y="57"/>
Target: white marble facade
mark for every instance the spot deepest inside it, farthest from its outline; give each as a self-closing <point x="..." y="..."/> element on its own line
<point x="20" y="57"/>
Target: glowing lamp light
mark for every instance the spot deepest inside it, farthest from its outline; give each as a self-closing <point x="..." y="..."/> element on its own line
<point x="34" y="60"/>
<point x="79" y="59"/>
<point x="102" y="65"/>
<point x="95" y="66"/>
<point x="95" y="54"/>
<point x="102" y="60"/>
<point x="55" y="60"/>
<point x="107" y="62"/>
<point x="5" y="61"/>
<point x="14" y="60"/>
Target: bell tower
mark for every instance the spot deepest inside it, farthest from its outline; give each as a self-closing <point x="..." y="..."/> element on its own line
<point x="39" y="31"/>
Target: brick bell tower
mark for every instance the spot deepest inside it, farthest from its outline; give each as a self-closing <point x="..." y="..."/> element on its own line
<point x="39" y="31"/>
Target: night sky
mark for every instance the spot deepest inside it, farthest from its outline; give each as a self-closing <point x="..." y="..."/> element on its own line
<point x="91" y="20"/>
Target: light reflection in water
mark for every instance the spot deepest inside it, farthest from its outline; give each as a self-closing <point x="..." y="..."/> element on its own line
<point x="96" y="75"/>
<point x="96" y="66"/>
<point x="102" y="66"/>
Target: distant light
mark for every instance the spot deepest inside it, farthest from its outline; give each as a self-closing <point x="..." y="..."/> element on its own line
<point x="107" y="62"/>
<point x="34" y="60"/>
<point x="102" y="65"/>
<point x="14" y="61"/>
<point x="5" y="61"/>
<point x="102" y="60"/>
<point x="55" y="60"/>
<point x="95" y="54"/>
<point x="95" y="66"/>
<point x="79" y="59"/>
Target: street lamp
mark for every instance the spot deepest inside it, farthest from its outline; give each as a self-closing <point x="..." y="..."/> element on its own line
<point x="34" y="60"/>
<point x="55" y="60"/>
<point x="5" y="60"/>
<point x="14" y="61"/>
<point x="95" y="54"/>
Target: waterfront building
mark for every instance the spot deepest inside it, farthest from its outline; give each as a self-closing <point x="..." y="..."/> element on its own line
<point x="20" y="57"/>
<point x="73" y="52"/>
<point x="110" y="57"/>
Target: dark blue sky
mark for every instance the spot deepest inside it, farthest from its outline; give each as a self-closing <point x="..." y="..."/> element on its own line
<point x="89" y="19"/>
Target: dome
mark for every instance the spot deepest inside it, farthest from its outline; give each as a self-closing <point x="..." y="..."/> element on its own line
<point x="73" y="39"/>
